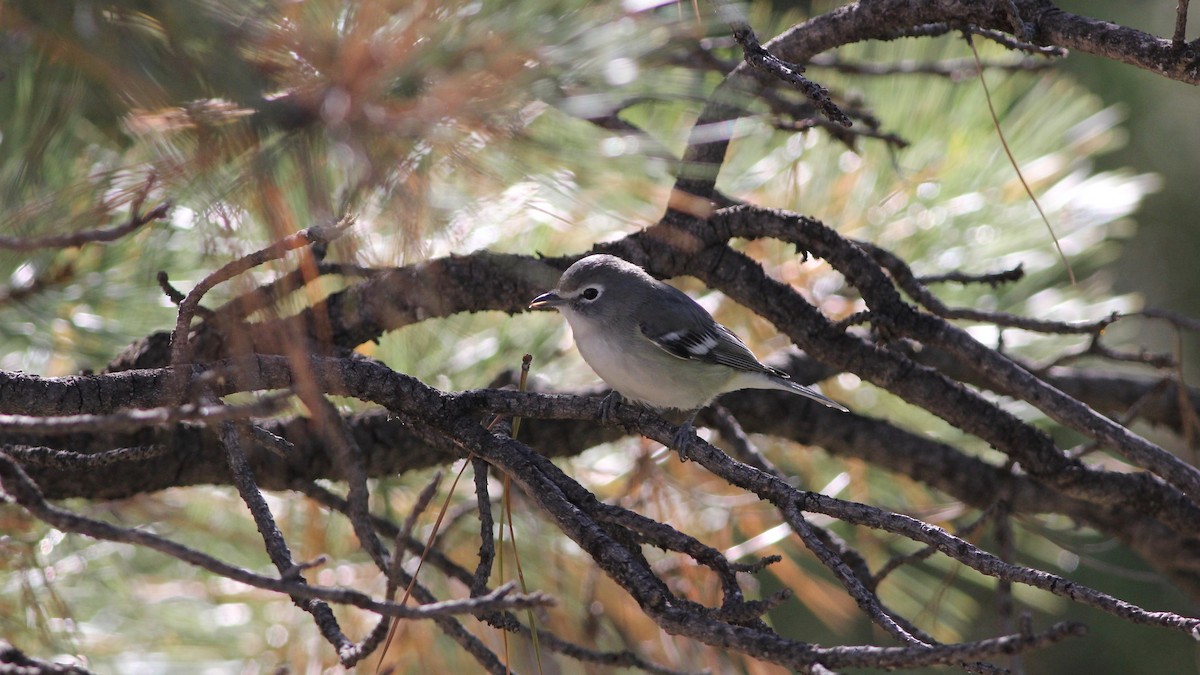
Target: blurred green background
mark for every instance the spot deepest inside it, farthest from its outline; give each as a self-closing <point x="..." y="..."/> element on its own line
<point x="1163" y="122"/>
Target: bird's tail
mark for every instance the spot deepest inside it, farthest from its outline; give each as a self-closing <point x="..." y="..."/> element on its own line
<point x="789" y="385"/>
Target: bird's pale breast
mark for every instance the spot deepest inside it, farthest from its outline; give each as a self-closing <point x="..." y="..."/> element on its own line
<point x="647" y="374"/>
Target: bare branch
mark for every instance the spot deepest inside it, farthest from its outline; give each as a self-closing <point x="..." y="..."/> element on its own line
<point x="180" y="350"/>
<point x="760" y="58"/>
<point x="18" y="485"/>
<point x="882" y="298"/>
<point x="128" y="420"/>
<point x="136" y="221"/>
<point x="785" y="496"/>
<point x="65" y="460"/>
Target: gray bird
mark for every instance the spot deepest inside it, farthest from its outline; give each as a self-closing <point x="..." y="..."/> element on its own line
<point x="655" y="345"/>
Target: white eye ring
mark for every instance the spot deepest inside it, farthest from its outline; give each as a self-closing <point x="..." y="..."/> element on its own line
<point x="590" y="293"/>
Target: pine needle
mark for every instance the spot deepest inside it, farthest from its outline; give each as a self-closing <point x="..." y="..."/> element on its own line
<point x="437" y="524"/>
<point x="1013" y="160"/>
<point x="507" y="516"/>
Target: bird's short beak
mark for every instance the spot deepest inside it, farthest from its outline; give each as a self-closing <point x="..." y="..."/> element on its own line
<point x="550" y="299"/>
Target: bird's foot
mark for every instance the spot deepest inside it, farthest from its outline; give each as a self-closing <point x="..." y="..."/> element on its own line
<point x="684" y="436"/>
<point x="608" y="407"/>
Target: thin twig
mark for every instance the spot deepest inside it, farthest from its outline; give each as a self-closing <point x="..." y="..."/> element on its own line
<point x="271" y="293"/>
<point x="992" y="279"/>
<point x="180" y="347"/>
<point x="1014" y="43"/>
<point x="1181" y="16"/>
<point x="19" y="486"/>
<point x="383" y="632"/>
<point x="136" y="220"/>
<point x="763" y="60"/>
<point x="915" y="288"/>
<point x="743" y="448"/>
<point x="925" y="552"/>
<point x="128" y="420"/>
<point x="331" y="427"/>
<point x="955" y="69"/>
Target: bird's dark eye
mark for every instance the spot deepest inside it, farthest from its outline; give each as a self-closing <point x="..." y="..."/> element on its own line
<point x="591" y="294"/>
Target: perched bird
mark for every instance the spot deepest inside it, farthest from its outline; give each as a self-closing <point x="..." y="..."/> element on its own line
<point x="655" y="345"/>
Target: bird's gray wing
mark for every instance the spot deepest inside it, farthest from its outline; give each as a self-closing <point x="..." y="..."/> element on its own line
<point x="685" y="330"/>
